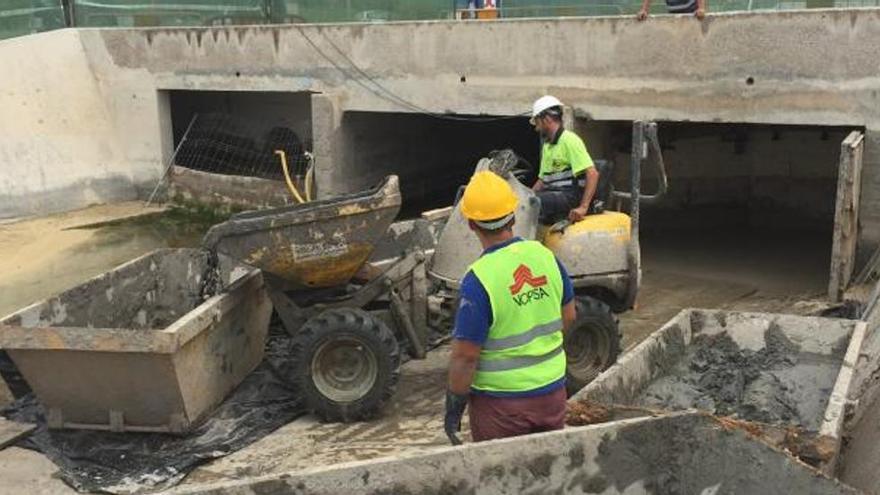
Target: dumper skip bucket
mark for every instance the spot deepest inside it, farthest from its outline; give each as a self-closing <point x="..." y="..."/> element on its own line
<point x="142" y="347"/>
<point x="318" y="244"/>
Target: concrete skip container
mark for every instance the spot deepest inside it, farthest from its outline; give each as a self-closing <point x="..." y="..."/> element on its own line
<point x="149" y="346"/>
<point x="678" y="453"/>
<point x="775" y="371"/>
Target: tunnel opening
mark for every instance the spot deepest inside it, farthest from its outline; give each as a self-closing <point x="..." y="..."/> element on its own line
<point x="238" y="132"/>
<point x="748" y="219"/>
<point x="432" y="154"/>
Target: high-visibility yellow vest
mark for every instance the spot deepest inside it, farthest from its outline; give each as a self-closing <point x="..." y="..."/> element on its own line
<point x="523" y="350"/>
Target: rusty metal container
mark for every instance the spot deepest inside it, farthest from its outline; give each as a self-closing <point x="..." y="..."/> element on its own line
<point x="142" y="347"/>
<point x="317" y="244"/>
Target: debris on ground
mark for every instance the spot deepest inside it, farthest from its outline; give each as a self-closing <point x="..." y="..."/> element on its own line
<point x="587" y="412"/>
<point x="134" y="462"/>
<point x="810" y="447"/>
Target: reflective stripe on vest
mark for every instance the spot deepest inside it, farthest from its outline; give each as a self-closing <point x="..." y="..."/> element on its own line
<point x="517" y="362"/>
<point x="563" y="179"/>
<point x="522" y="338"/>
<point x="523" y="350"/>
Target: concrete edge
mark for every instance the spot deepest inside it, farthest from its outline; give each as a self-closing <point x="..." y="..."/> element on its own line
<point x="833" y="420"/>
<point x="213" y="309"/>
<point x="233" y="486"/>
<point x="643" y="369"/>
<point x="835" y="412"/>
<point x="127" y="340"/>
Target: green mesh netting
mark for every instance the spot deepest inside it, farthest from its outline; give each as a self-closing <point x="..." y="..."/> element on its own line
<point x="20" y="17"/>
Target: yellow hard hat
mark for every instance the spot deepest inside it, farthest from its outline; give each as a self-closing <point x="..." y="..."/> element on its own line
<point x="488" y="197"/>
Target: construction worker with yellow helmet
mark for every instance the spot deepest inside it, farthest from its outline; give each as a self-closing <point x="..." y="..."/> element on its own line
<point x="516" y="301"/>
<point x="567" y="178"/>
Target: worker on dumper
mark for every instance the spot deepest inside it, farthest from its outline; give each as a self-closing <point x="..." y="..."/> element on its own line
<point x="516" y="301"/>
<point x="567" y="178"/>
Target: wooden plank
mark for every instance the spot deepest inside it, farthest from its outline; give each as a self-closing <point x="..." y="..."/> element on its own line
<point x="10" y="432"/>
<point x="846" y="215"/>
<point x="437" y="214"/>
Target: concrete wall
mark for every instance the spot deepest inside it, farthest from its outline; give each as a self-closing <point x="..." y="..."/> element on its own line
<point x="61" y="146"/>
<point x="804" y="68"/>
<point x="780" y="177"/>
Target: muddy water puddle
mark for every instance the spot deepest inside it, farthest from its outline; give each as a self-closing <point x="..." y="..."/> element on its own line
<point x="44" y="256"/>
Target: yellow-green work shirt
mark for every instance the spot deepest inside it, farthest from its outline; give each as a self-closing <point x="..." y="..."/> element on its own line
<point x="563" y="159"/>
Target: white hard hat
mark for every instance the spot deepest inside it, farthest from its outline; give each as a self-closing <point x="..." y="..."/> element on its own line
<point x="543" y="103"/>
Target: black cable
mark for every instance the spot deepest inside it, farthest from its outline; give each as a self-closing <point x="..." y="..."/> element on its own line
<point x="384" y="92"/>
<point x="411" y="105"/>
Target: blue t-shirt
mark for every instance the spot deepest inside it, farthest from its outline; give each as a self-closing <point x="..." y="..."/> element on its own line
<point x="474" y="317"/>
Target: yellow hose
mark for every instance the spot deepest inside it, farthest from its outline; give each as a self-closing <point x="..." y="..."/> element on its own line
<point x="290" y="184"/>
<point x="310" y="175"/>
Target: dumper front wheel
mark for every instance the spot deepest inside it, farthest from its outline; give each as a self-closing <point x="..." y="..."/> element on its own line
<point x="346" y="363"/>
<point x="592" y="345"/>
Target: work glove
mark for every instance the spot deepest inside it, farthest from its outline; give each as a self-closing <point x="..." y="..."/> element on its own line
<point x="455" y="405"/>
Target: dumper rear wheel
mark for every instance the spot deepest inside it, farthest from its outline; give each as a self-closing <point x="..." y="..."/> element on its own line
<point x="346" y="363"/>
<point x="592" y="345"/>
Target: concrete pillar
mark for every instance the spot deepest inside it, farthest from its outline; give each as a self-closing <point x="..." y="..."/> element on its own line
<point x="568" y="117"/>
<point x="328" y="147"/>
<point x="869" y="212"/>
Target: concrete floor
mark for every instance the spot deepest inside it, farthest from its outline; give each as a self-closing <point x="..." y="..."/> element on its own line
<point x="731" y="270"/>
<point x="740" y="270"/>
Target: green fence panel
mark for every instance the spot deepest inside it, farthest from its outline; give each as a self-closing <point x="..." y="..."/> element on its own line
<point x="137" y="13"/>
<point x="372" y="10"/>
<point x="20" y="17"/>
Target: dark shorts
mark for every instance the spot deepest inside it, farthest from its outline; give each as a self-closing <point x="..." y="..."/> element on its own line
<point x="556" y="203"/>
<point x="502" y="417"/>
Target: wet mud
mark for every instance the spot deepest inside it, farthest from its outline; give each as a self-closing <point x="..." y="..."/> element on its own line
<point x="778" y="384"/>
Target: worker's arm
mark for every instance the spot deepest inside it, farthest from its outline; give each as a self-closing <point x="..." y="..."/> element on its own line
<point x="462" y="366"/>
<point x="592" y="181"/>
<point x="643" y="12"/>
<point x="569" y="312"/>
<point x="472" y="321"/>
<point x="700" y="13"/>
<point x="569" y="315"/>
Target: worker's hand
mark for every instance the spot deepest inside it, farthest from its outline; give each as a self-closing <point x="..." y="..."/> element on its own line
<point x="539" y="184"/>
<point x="577" y="214"/>
<point x="642" y="15"/>
<point x="455" y="405"/>
<point x="700" y="14"/>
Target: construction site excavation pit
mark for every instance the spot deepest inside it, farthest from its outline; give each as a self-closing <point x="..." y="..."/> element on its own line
<point x="785" y="371"/>
<point x="151" y="346"/>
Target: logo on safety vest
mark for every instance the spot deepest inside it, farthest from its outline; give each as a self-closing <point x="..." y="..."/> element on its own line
<point x="523" y="276"/>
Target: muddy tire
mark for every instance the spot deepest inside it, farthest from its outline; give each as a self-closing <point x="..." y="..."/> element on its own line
<point x="592" y="345"/>
<point x="346" y="364"/>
